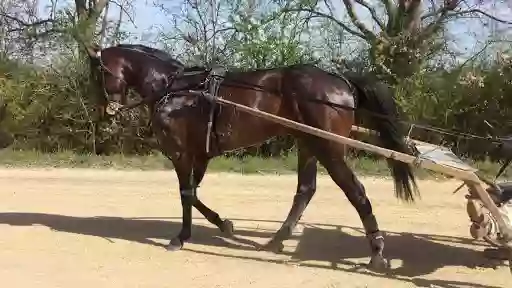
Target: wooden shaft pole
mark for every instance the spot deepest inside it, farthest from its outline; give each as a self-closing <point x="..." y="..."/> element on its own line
<point x="469" y="178"/>
<point x="428" y="164"/>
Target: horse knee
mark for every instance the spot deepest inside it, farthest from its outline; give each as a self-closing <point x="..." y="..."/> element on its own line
<point x="188" y="196"/>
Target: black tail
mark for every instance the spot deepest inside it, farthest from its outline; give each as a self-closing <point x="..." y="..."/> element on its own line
<point x="377" y="98"/>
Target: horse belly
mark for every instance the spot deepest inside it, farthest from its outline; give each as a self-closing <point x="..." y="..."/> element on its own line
<point x="241" y="130"/>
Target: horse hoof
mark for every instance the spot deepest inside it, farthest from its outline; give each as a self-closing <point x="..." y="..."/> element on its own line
<point x="175" y="245"/>
<point x="379" y="263"/>
<point x="273" y="246"/>
<point x="227" y="228"/>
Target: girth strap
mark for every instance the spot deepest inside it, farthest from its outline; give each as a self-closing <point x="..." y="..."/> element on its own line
<point x="215" y="79"/>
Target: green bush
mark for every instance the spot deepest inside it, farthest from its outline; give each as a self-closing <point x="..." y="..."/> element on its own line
<point x="52" y="110"/>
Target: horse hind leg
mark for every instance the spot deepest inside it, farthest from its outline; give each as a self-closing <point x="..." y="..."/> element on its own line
<point x="306" y="188"/>
<point x="331" y="157"/>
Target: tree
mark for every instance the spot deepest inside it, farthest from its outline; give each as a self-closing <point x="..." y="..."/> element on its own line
<point x="51" y="103"/>
<point x="81" y="21"/>
<point x="403" y="34"/>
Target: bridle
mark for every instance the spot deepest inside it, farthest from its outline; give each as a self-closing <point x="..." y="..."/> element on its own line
<point x="114" y="107"/>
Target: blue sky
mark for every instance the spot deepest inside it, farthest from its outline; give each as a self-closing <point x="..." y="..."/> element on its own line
<point x="148" y="18"/>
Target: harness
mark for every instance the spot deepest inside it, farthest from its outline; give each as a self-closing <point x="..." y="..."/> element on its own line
<point x="215" y="78"/>
<point x="212" y="83"/>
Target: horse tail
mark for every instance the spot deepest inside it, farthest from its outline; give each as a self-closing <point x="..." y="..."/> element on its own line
<point x="376" y="97"/>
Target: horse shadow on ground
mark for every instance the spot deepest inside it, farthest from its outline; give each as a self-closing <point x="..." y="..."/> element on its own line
<point x="421" y="254"/>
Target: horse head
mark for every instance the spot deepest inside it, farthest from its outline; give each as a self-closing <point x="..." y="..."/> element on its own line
<point x="146" y="70"/>
<point x="110" y="74"/>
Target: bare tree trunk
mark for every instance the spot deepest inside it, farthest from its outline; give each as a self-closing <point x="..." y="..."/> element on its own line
<point x="104" y="25"/>
<point x="88" y="13"/>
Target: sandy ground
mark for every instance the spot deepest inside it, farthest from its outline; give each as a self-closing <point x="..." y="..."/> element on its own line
<point x="101" y="228"/>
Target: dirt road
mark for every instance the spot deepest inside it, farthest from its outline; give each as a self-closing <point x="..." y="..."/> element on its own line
<point x="101" y="228"/>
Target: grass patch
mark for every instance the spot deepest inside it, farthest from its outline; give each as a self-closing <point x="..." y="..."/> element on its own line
<point x="246" y="165"/>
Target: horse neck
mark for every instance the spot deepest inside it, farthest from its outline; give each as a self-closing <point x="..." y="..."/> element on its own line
<point x="139" y="69"/>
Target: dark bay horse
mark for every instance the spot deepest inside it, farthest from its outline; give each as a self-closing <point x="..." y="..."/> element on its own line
<point x="301" y="93"/>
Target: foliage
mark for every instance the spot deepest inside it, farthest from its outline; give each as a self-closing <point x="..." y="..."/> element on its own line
<point x="53" y="110"/>
<point x="52" y="105"/>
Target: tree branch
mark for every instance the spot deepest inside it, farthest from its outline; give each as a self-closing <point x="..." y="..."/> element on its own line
<point x="204" y="25"/>
<point x="451" y="5"/>
<point x="41" y="34"/>
<point x="443" y="14"/>
<point x="480" y="52"/>
<point x="447" y="12"/>
<point x="478" y="11"/>
<point x="329" y="17"/>
<point x="81" y="9"/>
<point x="123" y="9"/>
<point x="388" y="5"/>
<point x="413" y="15"/>
<point x="391" y="12"/>
<point x="104" y="24"/>
<point x="373" y="13"/>
<point x="220" y="31"/>
<point x="369" y="35"/>
<point x="115" y="36"/>
<point x="26" y="24"/>
<point x="100" y="5"/>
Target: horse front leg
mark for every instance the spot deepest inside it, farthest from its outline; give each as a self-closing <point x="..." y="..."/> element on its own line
<point x="183" y="167"/>
<point x="190" y="173"/>
<point x="225" y="226"/>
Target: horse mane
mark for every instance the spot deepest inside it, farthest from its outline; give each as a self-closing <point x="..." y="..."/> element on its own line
<point x="157" y="53"/>
<point x="195" y="68"/>
<point x="258" y="70"/>
<point x="231" y="71"/>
